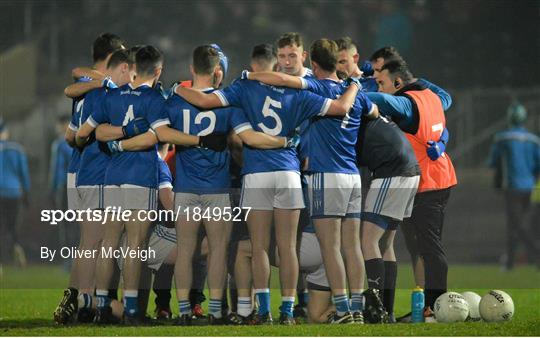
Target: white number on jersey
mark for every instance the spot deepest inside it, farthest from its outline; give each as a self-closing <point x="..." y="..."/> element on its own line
<point x="79" y="110"/>
<point x="129" y="115"/>
<point x="345" y="121"/>
<point x="198" y="120"/>
<point x="269" y="112"/>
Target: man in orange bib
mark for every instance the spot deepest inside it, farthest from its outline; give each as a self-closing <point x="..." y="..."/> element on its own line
<point x="417" y="107"/>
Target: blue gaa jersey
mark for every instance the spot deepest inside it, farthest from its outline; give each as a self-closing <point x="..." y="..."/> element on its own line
<point x="303" y="129"/>
<point x="275" y="111"/>
<point x="120" y="106"/>
<point x="369" y="84"/>
<point x="94" y="161"/>
<point x="199" y="170"/>
<point x="332" y="140"/>
<point x="76" y="110"/>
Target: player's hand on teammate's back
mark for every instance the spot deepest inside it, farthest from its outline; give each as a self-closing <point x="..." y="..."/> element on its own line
<point x="135" y="127"/>
<point x="292" y="141"/>
<point x="108" y="83"/>
<point x="367" y="69"/>
<point x="216" y="142"/>
<point x="436" y="149"/>
<point x="114" y="147"/>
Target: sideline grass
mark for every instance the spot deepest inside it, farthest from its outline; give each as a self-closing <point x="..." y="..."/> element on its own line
<point x="28" y="311"/>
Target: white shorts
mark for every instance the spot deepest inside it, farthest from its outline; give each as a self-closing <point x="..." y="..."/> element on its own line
<point x="91" y="196"/>
<point x="162" y="241"/>
<point x="185" y="203"/>
<point x="73" y="197"/>
<point x="311" y="262"/>
<point x="129" y="196"/>
<point x="334" y="194"/>
<point x="392" y="196"/>
<point x="269" y="190"/>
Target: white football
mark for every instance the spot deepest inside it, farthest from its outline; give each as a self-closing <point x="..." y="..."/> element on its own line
<point x="473" y="300"/>
<point x="496" y="306"/>
<point x="451" y="307"/>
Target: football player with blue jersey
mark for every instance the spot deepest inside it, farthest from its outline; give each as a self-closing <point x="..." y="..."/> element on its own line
<point x="348" y="65"/>
<point x="131" y="178"/>
<point x="333" y="179"/>
<point x="271" y="183"/>
<point x="203" y="179"/>
<point x="291" y="55"/>
<point x="94" y="77"/>
<point x="102" y="49"/>
<point x="94" y="159"/>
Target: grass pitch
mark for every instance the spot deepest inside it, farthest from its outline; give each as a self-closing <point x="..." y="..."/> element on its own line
<point x="27" y="310"/>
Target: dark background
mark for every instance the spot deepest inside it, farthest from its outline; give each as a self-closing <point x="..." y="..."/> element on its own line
<point x="484" y="52"/>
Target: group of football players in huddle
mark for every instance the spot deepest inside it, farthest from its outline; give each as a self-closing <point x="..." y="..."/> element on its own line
<point x="269" y="165"/>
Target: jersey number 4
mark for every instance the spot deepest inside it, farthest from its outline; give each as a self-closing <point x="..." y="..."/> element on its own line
<point x="129" y="115"/>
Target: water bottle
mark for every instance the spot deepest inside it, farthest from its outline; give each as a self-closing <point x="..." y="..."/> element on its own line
<point x="417" y="305"/>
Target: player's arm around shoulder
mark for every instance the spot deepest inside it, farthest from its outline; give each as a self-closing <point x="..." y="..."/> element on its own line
<point x="342" y="105"/>
<point x="140" y="142"/>
<point x="167" y="134"/>
<point x="198" y="98"/>
<point x="256" y="139"/>
<point x="276" y="79"/>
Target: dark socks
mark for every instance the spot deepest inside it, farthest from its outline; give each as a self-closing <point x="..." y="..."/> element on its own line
<point x="375" y="273"/>
<point x="390" y="276"/>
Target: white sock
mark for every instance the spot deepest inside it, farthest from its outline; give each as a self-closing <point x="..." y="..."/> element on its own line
<point x="244" y="306"/>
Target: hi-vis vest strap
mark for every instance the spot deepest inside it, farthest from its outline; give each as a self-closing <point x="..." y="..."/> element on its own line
<point x="439" y="174"/>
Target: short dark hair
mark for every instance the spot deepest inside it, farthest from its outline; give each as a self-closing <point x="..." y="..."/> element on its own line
<point x="148" y="59"/>
<point x="398" y="68"/>
<point x="325" y="53"/>
<point x="205" y="59"/>
<point x="289" y="39"/>
<point x="104" y="45"/>
<point x="345" y="43"/>
<point x="119" y="57"/>
<point x="388" y="53"/>
<point x="264" y="52"/>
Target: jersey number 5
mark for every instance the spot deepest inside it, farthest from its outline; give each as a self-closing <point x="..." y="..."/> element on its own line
<point x="267" y="111"/>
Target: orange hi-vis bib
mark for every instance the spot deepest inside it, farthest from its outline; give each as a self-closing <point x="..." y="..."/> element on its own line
<point x="439" y="174"/>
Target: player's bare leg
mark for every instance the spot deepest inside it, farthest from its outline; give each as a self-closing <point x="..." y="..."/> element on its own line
<point x="259" y="224"/>
<point x="328" y="232"/>
<point x="218" y="234"/>
<point x="136" y="235"/>
<point x="319" y="306"/>
<point x="105" y="265"/>
<point x="186" y="236"/>
<point x="82" y="275"/>
<point x="243" y="279"/>
<point x="286" y="226"/>
<point x="91" y="236"/>
<point x="354" y="264"/>
<point x="371" y="234"/>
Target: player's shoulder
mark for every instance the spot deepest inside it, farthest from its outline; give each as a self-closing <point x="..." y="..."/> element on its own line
<point x="11" y="146"/>
<point x="96" y="93"/>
